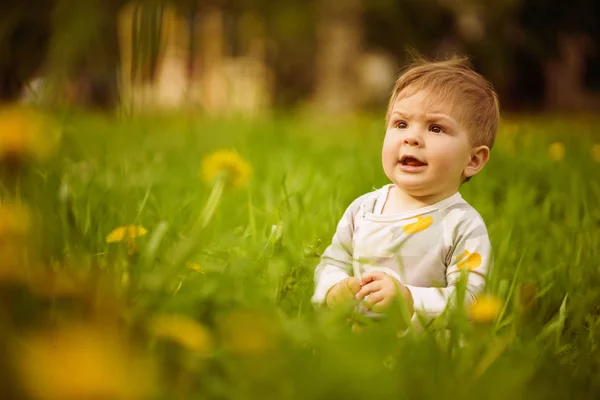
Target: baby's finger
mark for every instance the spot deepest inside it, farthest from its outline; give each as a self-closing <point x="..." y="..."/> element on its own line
<point x="372" y="276"/>
<point x="353" y="285"/>
<point x="343" y="290"/>
<point x="335" y="295"/>
<point x="374" y="300"/>
<point x="349" y="287"/>
<point x="368" y="289"/>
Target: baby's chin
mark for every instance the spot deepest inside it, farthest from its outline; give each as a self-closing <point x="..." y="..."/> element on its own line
<point x="414" y="185"/>
<point x="420" y="188"/>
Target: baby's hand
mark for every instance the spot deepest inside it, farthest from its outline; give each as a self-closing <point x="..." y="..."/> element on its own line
<point x="382" y="289"/>
<point x="343" y="292"/>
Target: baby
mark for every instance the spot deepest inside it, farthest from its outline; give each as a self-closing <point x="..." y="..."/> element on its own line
<point x="415" y="237"/>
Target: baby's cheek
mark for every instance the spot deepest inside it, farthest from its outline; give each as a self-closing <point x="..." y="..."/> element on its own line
<point x="390" y="146"/>
<point x="446" y="166"/>
<point x="388" y="157"/>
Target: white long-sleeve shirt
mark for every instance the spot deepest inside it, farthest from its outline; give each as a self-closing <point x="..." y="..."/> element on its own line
<point x="425" y="249"/>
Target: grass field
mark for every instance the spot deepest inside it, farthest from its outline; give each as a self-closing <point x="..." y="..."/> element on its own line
<point x="221" y="310"/>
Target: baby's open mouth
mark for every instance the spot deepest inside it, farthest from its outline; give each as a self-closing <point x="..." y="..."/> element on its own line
<point x="412" y="161"/>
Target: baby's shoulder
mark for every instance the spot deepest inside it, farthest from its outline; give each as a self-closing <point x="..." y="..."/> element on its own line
<point x="365" y="201"/>
<point x="461" y="215"/>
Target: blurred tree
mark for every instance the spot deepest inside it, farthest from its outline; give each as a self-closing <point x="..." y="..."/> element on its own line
<point x="557" y="42"/>
<point x="442" y="28"/>
<point x="339" y="46"/>
<point x="146" y="35"/>
<point x="84" y="52"/>
<point x="487" y="31"/>
<point x="396" y="25"/>
<point x="535" y="51"/>
<point x="24" y="38"/>
<point x="288" y="44"/>
<point x="241" y="49"/>
<point x="73" y="44"/>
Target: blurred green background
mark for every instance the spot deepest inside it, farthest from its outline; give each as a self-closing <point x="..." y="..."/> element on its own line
<point x="127" y="271"/>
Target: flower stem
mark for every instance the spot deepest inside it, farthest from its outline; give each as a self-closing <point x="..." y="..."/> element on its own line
<point x="211" y="203"/>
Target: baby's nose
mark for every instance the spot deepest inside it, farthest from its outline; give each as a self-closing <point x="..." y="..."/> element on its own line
<point x="412" y="141"/>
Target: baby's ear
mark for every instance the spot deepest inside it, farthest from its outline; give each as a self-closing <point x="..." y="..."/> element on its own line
<point x="479" y="157"/>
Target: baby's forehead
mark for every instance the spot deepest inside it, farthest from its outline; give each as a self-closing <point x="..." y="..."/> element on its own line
<point x="430" y="102"/>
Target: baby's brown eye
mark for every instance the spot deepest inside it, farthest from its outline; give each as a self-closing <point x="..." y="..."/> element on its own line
<point x="401" y="125"/>
<point x="436" y="129"/>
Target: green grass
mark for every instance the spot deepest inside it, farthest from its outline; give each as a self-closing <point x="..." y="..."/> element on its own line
<point x="261" y="247"/>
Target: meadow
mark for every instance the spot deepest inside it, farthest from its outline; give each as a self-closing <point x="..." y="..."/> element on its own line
<point x="128" y="274"/>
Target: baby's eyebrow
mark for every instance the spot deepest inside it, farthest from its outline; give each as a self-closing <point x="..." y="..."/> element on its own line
<point x="436" y="115"/>
<point x="439" y="116"/>
<point x="402" y="114"/>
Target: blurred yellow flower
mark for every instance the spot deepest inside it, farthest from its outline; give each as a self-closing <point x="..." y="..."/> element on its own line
<point x="14" y="220"/>
<point x="227" y="162"/>
<point x="196" y="267"/>
<point x="248" y="332"/>
<point x="485" y="309"/>
<point x="596" y="152"/>
<point x="81" y="362"/>
<point x="13" y="258"/>
<point x="57" y="284"/>
<point x="126" y="233"/>
<point x="15" y="225"/>
<point x="182" y="330"/>
<point x="556" y="151"/>
<point x="25" y="132"/>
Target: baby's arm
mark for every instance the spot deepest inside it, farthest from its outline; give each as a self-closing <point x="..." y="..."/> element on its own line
<point x="336" y="261"/>
<point x="472" y="252"/>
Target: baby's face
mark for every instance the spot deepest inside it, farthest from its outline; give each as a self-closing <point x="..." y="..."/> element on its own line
<point x="426" y="150"/>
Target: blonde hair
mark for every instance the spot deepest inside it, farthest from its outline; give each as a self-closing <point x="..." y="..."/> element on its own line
<point x="454" y="82"/>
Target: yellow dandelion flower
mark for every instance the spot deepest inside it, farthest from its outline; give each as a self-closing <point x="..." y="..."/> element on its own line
<point x="81" y="362"/>
<point x="128" y="232"/>
<point x="14" y="220"/>
<point x="596" y="152"/>
<point x="196" y="267"/>
<point x="117" y="235"/>
<point x="182" y="330"/>
<point x="556" y="151"/>
<point x="485" y="309"/>
<point x="227" y="162"/>
<point x="25" y="132"/>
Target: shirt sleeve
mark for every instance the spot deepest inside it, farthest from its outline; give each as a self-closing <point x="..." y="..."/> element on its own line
<point x="337" y="259"/>
<point x="471" y="252"/>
